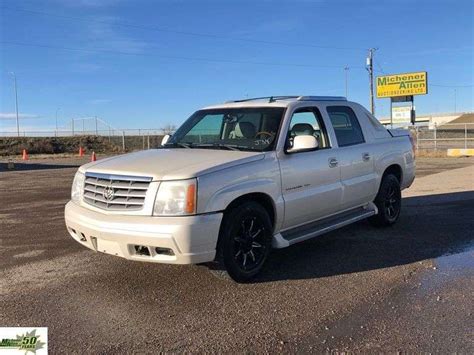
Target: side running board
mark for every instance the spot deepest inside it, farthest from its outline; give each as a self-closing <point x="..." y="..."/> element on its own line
<point x="325" y="225"/>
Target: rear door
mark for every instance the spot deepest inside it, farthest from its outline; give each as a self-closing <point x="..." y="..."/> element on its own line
<point x="311" y="184"/>
<point x="354" y="156"/>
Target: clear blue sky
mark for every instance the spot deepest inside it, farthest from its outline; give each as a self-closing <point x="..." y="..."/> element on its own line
<point x="143" y="64"/>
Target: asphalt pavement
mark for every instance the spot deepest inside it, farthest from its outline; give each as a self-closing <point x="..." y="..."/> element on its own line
<point x="405" y="288"/>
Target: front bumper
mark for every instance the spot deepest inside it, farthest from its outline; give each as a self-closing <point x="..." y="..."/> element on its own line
<point x="185" y="240"/>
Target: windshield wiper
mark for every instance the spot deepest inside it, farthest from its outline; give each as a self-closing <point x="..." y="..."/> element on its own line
<point x="179" y="144"/>
<point x="218" y="145"/>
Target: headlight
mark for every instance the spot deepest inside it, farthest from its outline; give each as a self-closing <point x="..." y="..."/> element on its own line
<point x="176" y="198"/>
<point x="77" y="187"/>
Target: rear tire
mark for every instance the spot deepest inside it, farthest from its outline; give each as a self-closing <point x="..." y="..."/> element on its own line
<point x="388" y="202"/>
<point x="245" y="241"/>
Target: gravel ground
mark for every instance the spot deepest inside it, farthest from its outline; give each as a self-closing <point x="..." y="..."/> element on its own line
<point x="405" y="288"/>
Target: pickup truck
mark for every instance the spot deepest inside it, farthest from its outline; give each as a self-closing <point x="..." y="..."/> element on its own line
<point x="240" y="178"/>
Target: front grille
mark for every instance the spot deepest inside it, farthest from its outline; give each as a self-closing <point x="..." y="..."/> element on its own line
<point x="116" y="192"/>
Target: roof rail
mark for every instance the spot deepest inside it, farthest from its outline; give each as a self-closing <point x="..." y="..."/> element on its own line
<point x="270" y="98"/>
<point x="296" y="97"/>
<point x="322" y="98"/>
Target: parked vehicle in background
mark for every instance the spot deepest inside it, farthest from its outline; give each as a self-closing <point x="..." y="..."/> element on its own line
<point x="241" y="178"/>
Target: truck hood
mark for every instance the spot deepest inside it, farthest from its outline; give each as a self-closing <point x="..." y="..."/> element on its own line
<point x="171" y="164"/>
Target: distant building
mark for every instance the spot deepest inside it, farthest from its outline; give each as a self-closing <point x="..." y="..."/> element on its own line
<point x="439" y="118"/>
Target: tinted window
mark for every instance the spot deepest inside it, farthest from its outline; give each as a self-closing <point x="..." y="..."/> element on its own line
<point x="346" y="126"/>
<point x="308" y="121"/>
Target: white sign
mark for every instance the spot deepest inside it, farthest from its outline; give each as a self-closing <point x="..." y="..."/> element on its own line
<point x="401" y="114"/>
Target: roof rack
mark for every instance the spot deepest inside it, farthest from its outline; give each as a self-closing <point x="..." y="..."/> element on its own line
<point x="297" y="97"/>
<point x="270" y="98"/>
<point x="322" y="98"/>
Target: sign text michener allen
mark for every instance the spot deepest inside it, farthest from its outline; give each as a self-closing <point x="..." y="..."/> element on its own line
<point x="402" y="84"/>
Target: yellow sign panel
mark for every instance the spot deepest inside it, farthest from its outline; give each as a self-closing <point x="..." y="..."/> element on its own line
<point x="402" y="84"/>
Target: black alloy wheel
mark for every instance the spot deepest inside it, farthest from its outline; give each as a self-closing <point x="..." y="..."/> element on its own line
<point x="388" y="202"/>
<point x="245" y="240"/>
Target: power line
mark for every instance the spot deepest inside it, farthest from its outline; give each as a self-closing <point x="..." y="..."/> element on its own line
<point x="452" y="86"/>
<point x="187" y="33"/>
<point x="106" y="51"/>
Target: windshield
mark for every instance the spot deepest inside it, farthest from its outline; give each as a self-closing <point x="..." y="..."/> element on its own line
<point x="252" y="128"/>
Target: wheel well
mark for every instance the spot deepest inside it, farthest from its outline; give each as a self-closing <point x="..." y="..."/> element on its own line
<point x="261" y="198"/>
<point x="394" y="169"/>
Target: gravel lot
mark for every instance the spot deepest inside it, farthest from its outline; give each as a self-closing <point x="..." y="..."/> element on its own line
<point x="405" y="288"/>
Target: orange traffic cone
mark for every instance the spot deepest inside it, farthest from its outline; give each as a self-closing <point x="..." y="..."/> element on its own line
<point x="81" y="151"/>
<point x="25" y="155"/>
<point x="93" y="157"/>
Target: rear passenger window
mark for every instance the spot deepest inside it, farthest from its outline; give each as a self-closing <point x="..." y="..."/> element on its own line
<point x="346" y="126"/>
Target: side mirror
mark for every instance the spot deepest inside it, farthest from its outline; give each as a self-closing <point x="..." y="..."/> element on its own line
<point x="303" y="143"/>
<point x="165" y="139"/>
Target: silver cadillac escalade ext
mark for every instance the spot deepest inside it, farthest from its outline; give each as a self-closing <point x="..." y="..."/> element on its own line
<point x="241" y="178"/>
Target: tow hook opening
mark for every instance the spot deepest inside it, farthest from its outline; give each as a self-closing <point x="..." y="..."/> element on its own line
<point x="142" y="250"/>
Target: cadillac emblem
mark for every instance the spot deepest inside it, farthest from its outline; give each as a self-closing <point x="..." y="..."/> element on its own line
<point x="109" y="193"/>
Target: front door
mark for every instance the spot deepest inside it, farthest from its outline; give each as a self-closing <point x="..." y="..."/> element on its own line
<point x="311" y="183"/>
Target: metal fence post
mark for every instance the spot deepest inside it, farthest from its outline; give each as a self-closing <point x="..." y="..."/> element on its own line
<point x="435" y="139"/>
<point x="123" y="141"/>
<point x="148" y="139"/>
<point x="96" y="129"/>
<point x="465" y="135"/>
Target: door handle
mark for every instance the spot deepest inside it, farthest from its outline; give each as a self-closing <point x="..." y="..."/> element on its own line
<point x="333" y="162"/>
<point x="366" y="156"/>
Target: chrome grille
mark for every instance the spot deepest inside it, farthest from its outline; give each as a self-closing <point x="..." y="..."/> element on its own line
<point x="116" y="192"/>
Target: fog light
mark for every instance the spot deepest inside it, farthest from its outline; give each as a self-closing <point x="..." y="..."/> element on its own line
<point x="164" y="251"/>
<point x="142" y="250"/>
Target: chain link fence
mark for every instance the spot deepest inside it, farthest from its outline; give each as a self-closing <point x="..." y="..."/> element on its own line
<point x="429" y="137"/>
<point x="444" y="136"/>
<point x="123" y="140"/>
<point x="79" y="128"/>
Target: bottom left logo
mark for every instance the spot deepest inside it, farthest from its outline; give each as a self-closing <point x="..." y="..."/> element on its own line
<point x="22" y="340"/>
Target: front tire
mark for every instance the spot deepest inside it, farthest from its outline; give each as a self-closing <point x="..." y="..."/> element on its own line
<point x="388" y="202"/>
<point x="245" y="241"/>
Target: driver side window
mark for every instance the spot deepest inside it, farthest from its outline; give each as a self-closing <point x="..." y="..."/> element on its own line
<point x="308" y="121"/>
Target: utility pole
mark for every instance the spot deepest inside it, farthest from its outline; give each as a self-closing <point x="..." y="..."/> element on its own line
<point x="370" y="69"/>
<point x="346" y="71"/>
<point x="16" y="105"/>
